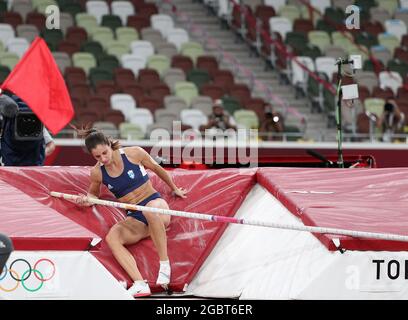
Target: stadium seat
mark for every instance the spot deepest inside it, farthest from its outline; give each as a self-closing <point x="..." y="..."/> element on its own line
<point x="138" y="22"/>
<point x="175" y="104"/>
<point x="192" y="50"/>
<point x="326" y="65"/>
<point x="6" y="33"/>
<point x="97" y="74"/>
<point x="321" y="5"/>
<point x="398" y="66"/>
<point x="37" y="19"/>
<point x="27" y="31"/>
<point x="172" y="76"/>
<point x="149" y="103"/>
<point x="186" y="90"/>
<point x="202" y="103"/>
<point x="122" y="9"/>
<point x="148" y="78"/>
<point x="102" y="35"/>
<point x="134" y="89"/>
<point x="389" y="41"/>
<point x="106" y="88"/>
<point x="86" y="21"/>
<point x="163" y="23"/>
<point x="52" y="37"/>
<point x="114" y="116"/>
<point x="126" y="35"/>
<point x="390" y="79"/>
<point x="367" y="78"/>
<point x="72" y="8"/>
<point x="230" y="104"/>
<point x="116" y="48"/>
<point x="212" y="90"/>
<point x="142" y="48"/>
<point x="247" y="119"/>
<point x="12" y="18"/>
<point x="63" y="60"/>
<point x="193" y="118"/>
<point x="395" y="27"/>
<point x="92" y="47"/>
<point x="167" y="49"/>
<point x="389" y="5"/>
<point x="108" y="128"/>
<point x="276" y="4"/>
<point x="111" y="21"/>
<point x="142" y="117"/>
<point x="76" y="34"/>
<point x="159" y="63"/>
<point x="17" y="45"/>
<point x="133" y="62"/>
<point x="182" y="62"/>
<point x="401" y="14"/>
<point x="178" y="36"/>
<point x="159" y="91"/>
<point x="374" y="105"/>
<point x="123" y="102"/>
<point x="22" y="7"/>
<point x="320" y="39"/>
<point x="152" y="35"/>
<point x="66" y="21"/>
<point x="97" y="102"/>
<point x="198" y="77"/>
<point x="241" y="93"/>
<point x="98" y="9"/>
<point x="208" y="63"/>
<point x="131" y="131"/>
<point x="166" y="117"/>
<point x="84" y="60"/>
<point x="9" y="59"/>
<point x="381" y="53"/>
<point x="280" y="25"/>
<point x="123" y="76"/>
<point x="258" y="106"/>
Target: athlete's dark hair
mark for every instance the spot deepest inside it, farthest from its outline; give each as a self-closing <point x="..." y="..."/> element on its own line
<point x="93" y="137"/>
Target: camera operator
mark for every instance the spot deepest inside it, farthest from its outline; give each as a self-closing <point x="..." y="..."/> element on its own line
<point x="218" y="119"/>
<point x="273" y="122"/>
<point x="24" y="140"/>
<point x="391" y="121"/>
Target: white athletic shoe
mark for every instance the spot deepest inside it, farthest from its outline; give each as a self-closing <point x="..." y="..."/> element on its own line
<point x="140" y="288"/>
<point x="163" y="279"/>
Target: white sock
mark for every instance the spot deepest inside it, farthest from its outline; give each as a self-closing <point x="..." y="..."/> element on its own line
<point x="165" y="263"/>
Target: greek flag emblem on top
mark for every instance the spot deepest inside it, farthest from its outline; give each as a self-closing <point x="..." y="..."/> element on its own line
<point x="131" y="174"/>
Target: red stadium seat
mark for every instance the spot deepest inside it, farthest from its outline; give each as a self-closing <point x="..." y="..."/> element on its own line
<point x="212" y="90"/>
<point x="148" y="78"/>
<point x="134" y="89"/>
<point x="182" y="62"/>
<point x="160" y="91"/>
<point x="208" y="63"/>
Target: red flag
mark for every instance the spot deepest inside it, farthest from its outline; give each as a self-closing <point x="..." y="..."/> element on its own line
<point x="37" y="80"/>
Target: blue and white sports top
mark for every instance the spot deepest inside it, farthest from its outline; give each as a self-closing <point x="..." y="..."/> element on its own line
<point x="132" y="177"/>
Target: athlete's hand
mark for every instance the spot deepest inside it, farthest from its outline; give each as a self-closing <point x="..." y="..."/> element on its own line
<point x="82" y="200"/>
<point x="180" y="192"/>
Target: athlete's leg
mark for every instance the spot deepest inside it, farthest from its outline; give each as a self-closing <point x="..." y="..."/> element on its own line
<point x="127" y="232"/>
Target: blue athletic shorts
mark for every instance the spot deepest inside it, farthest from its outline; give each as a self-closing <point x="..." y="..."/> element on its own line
<point x="137" y="214"/>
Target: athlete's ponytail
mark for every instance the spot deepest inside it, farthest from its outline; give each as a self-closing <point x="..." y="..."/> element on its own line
<point x="93" y="137"/>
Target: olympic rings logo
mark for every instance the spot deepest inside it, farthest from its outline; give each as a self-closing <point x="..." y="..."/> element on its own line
<point x="26" y="274"/>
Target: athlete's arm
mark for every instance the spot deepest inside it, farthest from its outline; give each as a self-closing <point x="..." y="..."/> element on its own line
<point x="148" y="162"/>
<point x="94" y="188"/>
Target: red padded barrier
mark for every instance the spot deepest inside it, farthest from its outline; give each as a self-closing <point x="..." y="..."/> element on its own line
<point x="372" y="200"/>
<point x="218" y="192"/>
